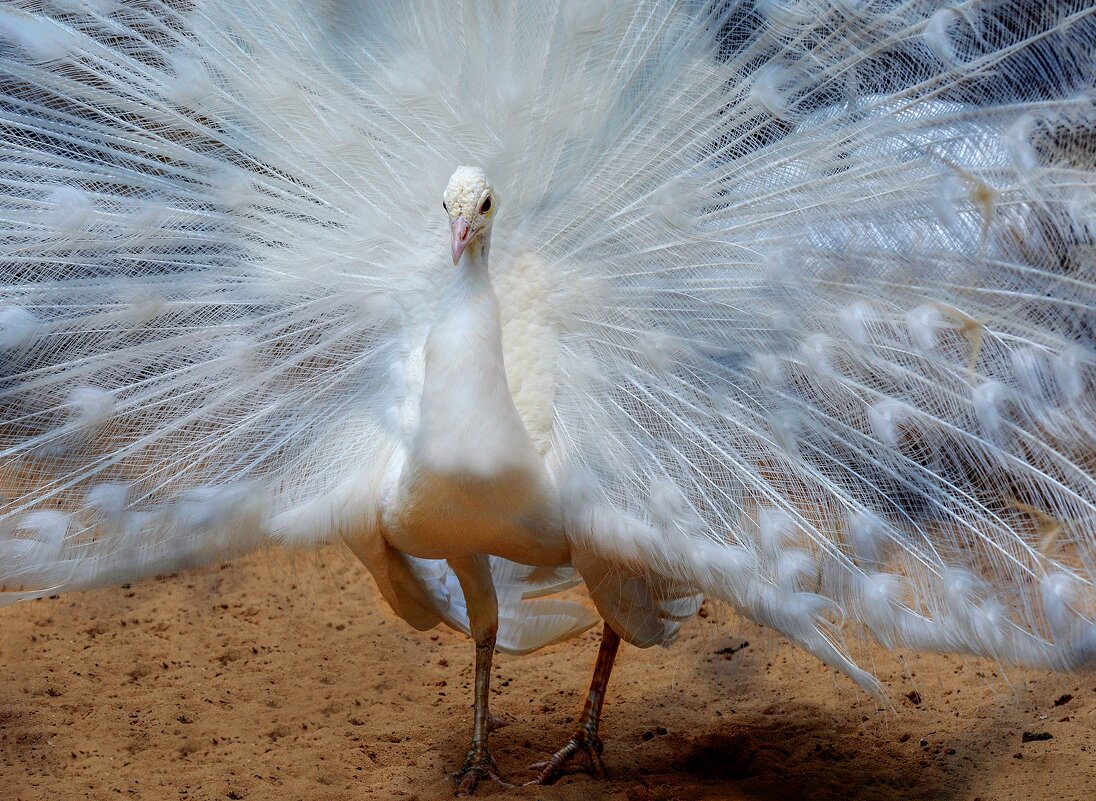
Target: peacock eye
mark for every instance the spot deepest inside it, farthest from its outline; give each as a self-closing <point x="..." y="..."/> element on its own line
<point x="445" y="206"/>
<point x="486" y="205"/>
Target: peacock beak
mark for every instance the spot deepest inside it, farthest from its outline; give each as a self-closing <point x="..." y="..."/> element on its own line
<point x="462" y="235"/>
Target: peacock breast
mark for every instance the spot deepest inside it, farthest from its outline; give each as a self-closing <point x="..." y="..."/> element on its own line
<point x="511" y="512"/>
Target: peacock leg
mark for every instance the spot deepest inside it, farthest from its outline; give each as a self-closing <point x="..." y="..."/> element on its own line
<point x="474" y="574"/>
<point x="585" y="743"/>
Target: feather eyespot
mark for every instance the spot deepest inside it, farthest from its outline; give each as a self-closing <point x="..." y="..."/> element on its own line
<point x="485" y="206"/>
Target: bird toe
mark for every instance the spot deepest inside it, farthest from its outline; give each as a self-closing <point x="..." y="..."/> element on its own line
<point x="479" y="765"/>
<point x="581" y="753"/>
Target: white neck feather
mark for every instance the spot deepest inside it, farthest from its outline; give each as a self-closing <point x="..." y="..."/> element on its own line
<point x="467" y="420"/>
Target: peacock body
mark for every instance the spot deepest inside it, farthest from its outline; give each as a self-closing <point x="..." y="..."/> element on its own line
<point x="785" y="303"/>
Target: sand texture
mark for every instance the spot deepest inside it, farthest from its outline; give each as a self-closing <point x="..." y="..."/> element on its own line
<point x="273" y="679"/>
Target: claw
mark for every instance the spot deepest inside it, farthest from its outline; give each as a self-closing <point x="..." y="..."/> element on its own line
<point x="479" y="765"/>
<point x="585" y="744"/>
<point x="583" y="747"/>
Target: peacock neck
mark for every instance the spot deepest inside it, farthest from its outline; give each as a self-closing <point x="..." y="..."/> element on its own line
<point x="467" y="323"/>
<point x="471" y="277"/>
<point x="467" y="419"/>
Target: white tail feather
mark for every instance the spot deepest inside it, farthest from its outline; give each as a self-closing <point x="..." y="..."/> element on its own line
<point x="799" y="299"/>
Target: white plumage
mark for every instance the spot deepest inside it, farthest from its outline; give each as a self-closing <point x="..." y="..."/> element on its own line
<point x="787" y="303"/>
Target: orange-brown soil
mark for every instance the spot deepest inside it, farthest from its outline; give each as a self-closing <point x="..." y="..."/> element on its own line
<point x="271" y="680"/>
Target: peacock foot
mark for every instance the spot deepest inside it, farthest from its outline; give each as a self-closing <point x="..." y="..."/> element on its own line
<point x="478" y="765"/>
<point x="582" y="753"/>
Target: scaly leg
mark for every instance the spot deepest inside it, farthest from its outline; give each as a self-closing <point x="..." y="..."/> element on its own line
<point x="585" y="743"/>
<point x="474" y="574"/>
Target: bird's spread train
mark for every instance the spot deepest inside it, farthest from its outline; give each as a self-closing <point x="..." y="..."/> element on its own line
<point x="784" y="303"/>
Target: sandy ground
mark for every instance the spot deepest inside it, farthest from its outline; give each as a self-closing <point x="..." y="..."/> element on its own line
<point x="271" y="679"/>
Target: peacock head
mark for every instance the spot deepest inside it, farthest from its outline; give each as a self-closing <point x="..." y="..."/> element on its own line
<point x="470" y="202"/>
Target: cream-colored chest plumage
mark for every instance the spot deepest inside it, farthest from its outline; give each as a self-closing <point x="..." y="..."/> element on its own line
<point x="473" y="481"/>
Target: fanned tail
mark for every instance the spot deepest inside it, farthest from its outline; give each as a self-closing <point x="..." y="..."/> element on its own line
<point x="799" y="298"/>
<point x="837" y="359"/>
